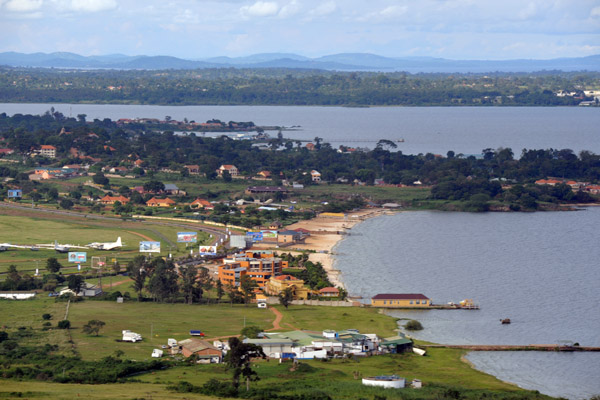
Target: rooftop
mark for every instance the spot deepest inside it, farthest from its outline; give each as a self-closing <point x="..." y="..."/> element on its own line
<point x="400" y="296"/>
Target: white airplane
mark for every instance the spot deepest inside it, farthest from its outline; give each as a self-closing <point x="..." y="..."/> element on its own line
<point x="60" y="248"/>
<point x="106" y="245"/>
<point x="7" y="246"/>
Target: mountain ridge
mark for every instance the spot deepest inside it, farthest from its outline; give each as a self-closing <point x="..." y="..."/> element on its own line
<point x="335" y="62"/>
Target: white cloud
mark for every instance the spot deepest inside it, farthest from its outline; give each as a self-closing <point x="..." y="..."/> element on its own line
<point x="528" y="12"/>
<point x="324" y="9"/>
<point x="93" y="5"/>
<point x="289" y="9"/>
<point x="595" y="12"/>
<point x="23" y="5"/>
<point x="394" y="11"/>
<point x="261" y="9"/>
<point x="90" y="5"/>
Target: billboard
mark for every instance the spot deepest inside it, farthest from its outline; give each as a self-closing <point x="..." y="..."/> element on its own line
<point x="77" y="256"/>
<point x="255" y="236"/>
<point x="208" y="250"/>
<point x="149" y="247"/>
<point x="15" y="194"/>
<point x="187" y="237"/>
<point x="269" y="234"/>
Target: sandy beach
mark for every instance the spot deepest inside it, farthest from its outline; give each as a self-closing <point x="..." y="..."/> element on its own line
<point x="326" y="232"/>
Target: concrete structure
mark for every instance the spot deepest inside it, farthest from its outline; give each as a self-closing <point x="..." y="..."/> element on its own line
<point x="289" y="237"/>
<point x="277" y="284"/>
<point x="260" y="266"/>
<point x="274" y="348"/>
<point x="47" y="151"/>
<point x="87" y="290"/>
<point x="315" y="176"/>
<point x="232" y="169"/>
<point x="240" y="241"/>
<point x="408" y="300"/>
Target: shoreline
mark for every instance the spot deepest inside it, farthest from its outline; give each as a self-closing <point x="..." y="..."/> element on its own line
<point x="326" y="233"/>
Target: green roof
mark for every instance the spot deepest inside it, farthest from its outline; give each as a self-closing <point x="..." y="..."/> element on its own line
<point x="395" y="340"/>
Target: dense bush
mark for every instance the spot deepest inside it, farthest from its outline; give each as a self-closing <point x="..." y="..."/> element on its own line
<point x="413" y="325"/>
<point x="64" y="324"/>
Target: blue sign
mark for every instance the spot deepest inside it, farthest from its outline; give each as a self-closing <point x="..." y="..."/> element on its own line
<point x="77" y="256"/>
<point x="15" y="193"/>
<point x="255" y="236"/>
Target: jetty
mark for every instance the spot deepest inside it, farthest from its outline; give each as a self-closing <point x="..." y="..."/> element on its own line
<point x="504" y="347"/>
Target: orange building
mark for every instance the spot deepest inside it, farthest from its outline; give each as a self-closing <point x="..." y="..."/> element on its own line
<point x="154" y="202"/>
<point x="260" y="266"/>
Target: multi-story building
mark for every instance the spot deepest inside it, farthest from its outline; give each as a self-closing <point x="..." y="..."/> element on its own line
<point x="260" y="266"/>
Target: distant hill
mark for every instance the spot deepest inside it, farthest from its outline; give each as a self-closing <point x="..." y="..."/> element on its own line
<point x="334" y="62"/>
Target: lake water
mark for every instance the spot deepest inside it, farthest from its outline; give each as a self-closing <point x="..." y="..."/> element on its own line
<point x="538" y="269"/>
<point x="436" y="130"/>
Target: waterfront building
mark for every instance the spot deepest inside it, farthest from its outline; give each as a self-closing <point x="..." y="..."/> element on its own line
<point x="400" y="300"/>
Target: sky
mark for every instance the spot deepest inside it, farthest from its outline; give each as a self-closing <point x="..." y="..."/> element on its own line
<point x="199" y="29"/>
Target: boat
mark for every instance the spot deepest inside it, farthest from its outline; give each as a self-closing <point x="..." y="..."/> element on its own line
<point x="505" y="321"/>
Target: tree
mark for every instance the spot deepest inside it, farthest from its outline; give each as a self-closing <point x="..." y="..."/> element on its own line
<point x="138" y="271"/>
<point x="93" y="327"/>
<point x="386" y="144"/>
<point x="100" y="179"/>
<point x="286" y="296"/>
<point x="238" y="359"/>
<point x="163" y="280"/>
<point x="251" y="332"/>
<point x="247" y="286"/>
<point x="75" y="282"/>
<point x="220" y="291"/>
<point x="189" y="277"/>
<point x="64" y="324"/>
<point x="154" y="186"/>
<point x="226" y="176"/>
<point x="66" y="204"/>
<point x="52" y="265"/>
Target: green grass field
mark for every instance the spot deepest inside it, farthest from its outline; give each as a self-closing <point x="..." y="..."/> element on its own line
<point x="440" y="370"/>
<point x="45" y="228"/>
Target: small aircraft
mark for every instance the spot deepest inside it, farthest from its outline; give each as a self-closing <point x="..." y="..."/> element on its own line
<point x="8" y="246"/>
<point x="59" y="248"/>
<point x="106" y="245"/>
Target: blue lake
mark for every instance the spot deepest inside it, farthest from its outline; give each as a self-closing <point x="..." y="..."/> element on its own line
<point x="436" y="130"/>
<point x="538" y="269"/>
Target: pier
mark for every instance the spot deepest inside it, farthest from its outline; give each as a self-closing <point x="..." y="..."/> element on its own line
<point x="502" y="347"/>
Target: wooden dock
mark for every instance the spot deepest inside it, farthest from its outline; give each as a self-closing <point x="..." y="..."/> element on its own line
<point x="502" y="347"/>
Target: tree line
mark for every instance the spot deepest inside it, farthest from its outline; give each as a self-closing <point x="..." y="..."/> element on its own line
<point x="289" y="87"/>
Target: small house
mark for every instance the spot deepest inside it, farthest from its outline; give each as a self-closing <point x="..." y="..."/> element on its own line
<point x="232" y="169"/>
<point x="203" y="350"/>
<point x="329" y="292"/>
<point x="154" y="202"/>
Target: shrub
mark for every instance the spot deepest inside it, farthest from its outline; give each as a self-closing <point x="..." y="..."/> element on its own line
<point x="46" y="317"/>
<point x="413" y="325"/>
<point x="64" y="324"/>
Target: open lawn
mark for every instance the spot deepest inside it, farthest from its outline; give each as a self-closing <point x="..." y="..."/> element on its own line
<point x="441" y="370"/>
<point x="43" y="228"/>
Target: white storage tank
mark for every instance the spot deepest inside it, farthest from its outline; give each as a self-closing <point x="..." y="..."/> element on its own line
<point x="385" y="381"/>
